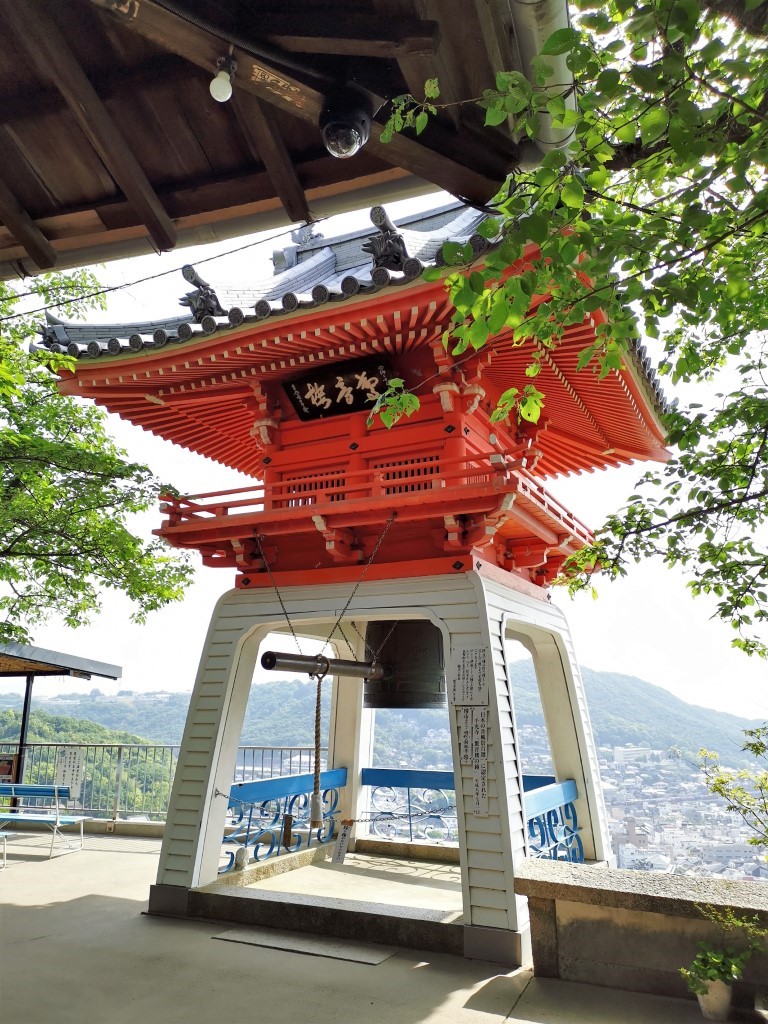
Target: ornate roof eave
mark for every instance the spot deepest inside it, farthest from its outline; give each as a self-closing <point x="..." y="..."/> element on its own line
<point x="350" y="306"/>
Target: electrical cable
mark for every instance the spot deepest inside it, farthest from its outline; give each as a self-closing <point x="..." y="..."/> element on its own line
<point x="107" y="289"/>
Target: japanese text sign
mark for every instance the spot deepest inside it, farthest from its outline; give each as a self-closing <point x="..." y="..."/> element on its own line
<point x="337" y="390"/>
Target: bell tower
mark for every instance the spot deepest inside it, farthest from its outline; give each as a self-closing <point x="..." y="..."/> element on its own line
<point x="427" y="548"/>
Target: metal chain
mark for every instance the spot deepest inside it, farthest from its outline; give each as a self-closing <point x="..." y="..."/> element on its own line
<point x="344" y="636"/>
<point x="366" y="567"/>
<point x="369" y="817"/>
<point x="382" y="645"/>
<point x="277" y="591"/>
<point x="320" y="675"/>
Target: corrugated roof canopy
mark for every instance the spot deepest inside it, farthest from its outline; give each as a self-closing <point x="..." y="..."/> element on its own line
<point x="21" y="660"/>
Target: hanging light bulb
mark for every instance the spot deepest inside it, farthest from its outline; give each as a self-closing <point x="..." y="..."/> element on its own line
<point x="221" y="84"/>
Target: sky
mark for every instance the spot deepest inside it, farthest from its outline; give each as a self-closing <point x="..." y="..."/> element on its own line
<point x="646" y="625"/>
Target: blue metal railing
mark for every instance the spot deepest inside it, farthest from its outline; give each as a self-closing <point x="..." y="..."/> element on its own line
<point x="421" y="805"/>
<point x="271" y="817"/>
<point x="412" y="805"/>
<point x="553" y="827"/>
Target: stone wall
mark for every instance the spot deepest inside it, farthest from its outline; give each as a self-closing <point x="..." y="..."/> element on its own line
<point x="632" y="929"/>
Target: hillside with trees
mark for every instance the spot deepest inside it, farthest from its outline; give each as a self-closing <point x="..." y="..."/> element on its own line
<point x="145" y="781"/>
<point x="624" y="710"/>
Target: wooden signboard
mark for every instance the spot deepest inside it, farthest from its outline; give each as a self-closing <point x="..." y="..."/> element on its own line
<point x="8" y="764"/>
<point x="338" y="390"/>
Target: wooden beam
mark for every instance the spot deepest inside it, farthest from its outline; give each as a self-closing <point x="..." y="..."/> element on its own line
<point x="196" y="198"/>
<point x="471" y="169"/>
<point x="416" y="68"/>
<point x="262" y="135"/>
<point x="353" y="35"/>
<point x="45" y="46"/>
<point x="24" y="229"/>
<point x="162" y="71"/>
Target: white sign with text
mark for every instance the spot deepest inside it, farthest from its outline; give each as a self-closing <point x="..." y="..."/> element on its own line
<point x="468" y="676"/>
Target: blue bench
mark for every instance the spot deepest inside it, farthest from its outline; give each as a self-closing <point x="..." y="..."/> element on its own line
<point x="51" y="816"/>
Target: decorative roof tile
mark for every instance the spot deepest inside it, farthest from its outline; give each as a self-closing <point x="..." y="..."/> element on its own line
<point x="310" y="273"/>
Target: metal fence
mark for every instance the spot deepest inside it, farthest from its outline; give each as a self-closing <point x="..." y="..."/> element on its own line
<point x="420" y="806"/>
<point x="412" y="806"/>
<point x="129" y="780"/>
<point x="270" y="817"/>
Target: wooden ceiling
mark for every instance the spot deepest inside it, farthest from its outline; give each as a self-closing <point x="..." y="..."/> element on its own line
<point x="112" y="144"/>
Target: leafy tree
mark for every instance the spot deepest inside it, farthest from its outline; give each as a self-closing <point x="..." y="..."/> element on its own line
<point x="656" y="213"/>
<point x="745" y="790"/>
<point x="67" y="492"/>
<point x="145" y="776"/>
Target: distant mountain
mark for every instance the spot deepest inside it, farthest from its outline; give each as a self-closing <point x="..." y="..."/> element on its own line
<point x="624" y="710"/>
<point x="47" y="728"/>
<point x="627" y="710"/>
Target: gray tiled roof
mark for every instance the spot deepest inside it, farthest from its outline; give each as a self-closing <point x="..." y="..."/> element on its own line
<point x="309" y="273"/>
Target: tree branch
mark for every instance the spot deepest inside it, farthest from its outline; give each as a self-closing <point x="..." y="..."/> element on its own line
<point x="754" y="22"/>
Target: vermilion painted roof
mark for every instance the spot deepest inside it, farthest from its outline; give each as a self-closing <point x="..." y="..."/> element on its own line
<point x="196" y="380"/>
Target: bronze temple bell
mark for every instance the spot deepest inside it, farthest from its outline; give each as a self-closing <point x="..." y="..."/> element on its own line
<point x="408" y="670"/>
<point x="412" y="650"/>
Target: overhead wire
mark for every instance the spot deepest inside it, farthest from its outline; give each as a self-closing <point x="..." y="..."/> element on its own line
<point x="108" y="289"/>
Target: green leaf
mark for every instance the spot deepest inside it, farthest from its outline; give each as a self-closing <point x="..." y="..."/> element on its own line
<point x="561" y="41"/>
<point x="422" y="119"/>
<point x="477" y="282"/>
<point x="535" y="228"/>
<point x="478" y="333"/>
<point x="488" y="228"/>
<point x="608" y="81"/>
<point x="495" y="115"/>
<point x="432" y="273"/>
<point x="499" y="311"/>
<point x="432" y="88"/>
<point x="653" y="124"/>
<point x="646" y="78"/>
<point x="453" y="253"/>
<point x="585" y="357"/>
<point x="572" y="194"/>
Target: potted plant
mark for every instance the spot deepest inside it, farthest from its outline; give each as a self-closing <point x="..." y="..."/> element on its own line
<point x="711" y="975"/>
<point x="714" y="969"/>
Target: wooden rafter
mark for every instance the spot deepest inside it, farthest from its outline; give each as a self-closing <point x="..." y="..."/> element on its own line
<point x="168" y="70"/>
<point x="47" y="49"/>
<point x="262" y="135"/>
<point x="356" y="35"/>
<point x="462" y="166"/>
<point x="416" y="68"/>
<point x="24" y="229"/>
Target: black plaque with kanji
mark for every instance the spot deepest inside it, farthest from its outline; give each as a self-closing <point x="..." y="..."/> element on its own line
<point x="340" y="389"/>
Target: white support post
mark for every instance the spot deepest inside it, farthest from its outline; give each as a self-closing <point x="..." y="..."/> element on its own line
<point x="471" y="609"/>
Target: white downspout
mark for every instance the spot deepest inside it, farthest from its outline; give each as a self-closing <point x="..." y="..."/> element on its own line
<point x="531" y="22"/>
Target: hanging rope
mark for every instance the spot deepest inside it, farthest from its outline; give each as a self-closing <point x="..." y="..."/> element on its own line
<point x="316" y="809"/>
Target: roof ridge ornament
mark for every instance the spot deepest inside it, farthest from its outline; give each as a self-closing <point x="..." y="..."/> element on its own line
<point x="305" y="233"/>
<point x="387" y="249"/>
<point x="203" y="301"/>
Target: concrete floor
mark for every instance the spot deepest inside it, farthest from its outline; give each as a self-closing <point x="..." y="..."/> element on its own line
<point x="408" y="883"/>
<point x="75" y="947"/>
